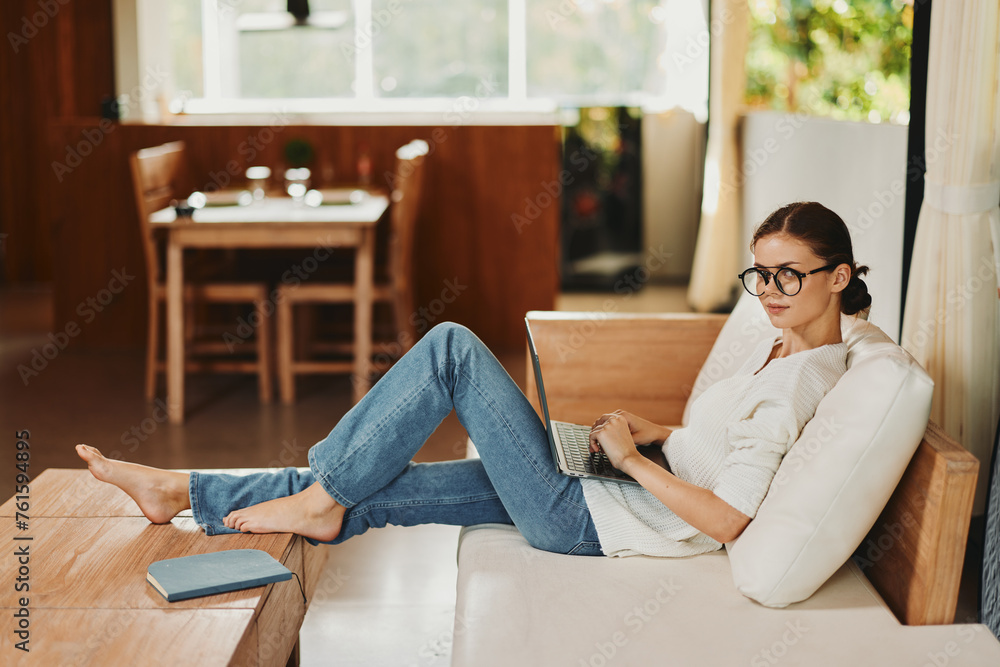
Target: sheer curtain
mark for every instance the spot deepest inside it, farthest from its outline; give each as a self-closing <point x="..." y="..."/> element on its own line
<point x="717" y="252"/>
<point x="952" y="316"/>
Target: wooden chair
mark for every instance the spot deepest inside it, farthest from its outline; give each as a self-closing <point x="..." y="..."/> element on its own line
<point x="396" y="289"/>
<point x="154" y="176"/>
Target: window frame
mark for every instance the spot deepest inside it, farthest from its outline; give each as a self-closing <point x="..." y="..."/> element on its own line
<point x="141" y="55"/>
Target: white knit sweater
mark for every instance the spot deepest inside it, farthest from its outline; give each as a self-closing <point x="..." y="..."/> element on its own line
<point x="739" y="430"/>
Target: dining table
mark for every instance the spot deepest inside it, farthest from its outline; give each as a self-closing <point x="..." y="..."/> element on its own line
<point x="345" y="218"/>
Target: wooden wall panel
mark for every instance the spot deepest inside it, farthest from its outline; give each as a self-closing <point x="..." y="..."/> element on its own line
<point x="56" y="62"/>
<point x="75" y="227"/>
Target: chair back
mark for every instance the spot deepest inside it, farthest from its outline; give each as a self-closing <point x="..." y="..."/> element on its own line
<point x="406" y="195"/>
<point x="154" y="178"/>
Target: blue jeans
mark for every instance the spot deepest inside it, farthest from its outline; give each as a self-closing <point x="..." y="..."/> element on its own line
<point x="365" y="463"/>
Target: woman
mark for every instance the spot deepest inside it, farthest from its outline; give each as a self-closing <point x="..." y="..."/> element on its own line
<point x="361" y="474"/>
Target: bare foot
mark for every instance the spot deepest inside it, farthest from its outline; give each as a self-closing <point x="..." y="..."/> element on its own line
<point x="160" y="494"/>
<point x="311" y="513"/>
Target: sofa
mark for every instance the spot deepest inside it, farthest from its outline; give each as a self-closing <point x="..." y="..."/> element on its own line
<point x="854" y="557"/>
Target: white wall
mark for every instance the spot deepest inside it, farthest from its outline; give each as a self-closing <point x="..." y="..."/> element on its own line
<point x="856" y="169"/>
<point x="673" y="154"/>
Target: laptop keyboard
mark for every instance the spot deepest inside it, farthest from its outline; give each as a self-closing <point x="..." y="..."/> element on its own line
<point x="576" y="446"/>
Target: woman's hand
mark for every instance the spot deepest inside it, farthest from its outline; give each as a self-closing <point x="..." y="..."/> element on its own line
<point x="643" y="431"/>
<point x="612" y="434"/>
<point x="617" y="434"/>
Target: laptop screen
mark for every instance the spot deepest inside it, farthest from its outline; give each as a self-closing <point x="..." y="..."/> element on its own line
<point x="538" y="378"/>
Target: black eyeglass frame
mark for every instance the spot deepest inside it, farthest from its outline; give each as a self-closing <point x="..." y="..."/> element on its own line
<point x="763" y="272"/>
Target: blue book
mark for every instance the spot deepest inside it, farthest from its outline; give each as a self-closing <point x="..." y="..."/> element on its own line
<point x="219" y="572"/>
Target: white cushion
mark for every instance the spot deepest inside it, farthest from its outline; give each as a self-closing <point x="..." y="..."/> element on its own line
<point x="746" y="327"/>
<point x="840" y="473"/>
<point x="517" y="605"/>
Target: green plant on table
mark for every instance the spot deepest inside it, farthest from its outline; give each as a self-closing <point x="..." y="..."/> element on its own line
<point x="298" y="153"/>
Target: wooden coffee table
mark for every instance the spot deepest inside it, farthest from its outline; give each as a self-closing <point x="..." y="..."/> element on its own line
<point x="89" y="603"/>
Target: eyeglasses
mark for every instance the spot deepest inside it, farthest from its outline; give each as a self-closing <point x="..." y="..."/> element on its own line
<point x="788" y="280"/>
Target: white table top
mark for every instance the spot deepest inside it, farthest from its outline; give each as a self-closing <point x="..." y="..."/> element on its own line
<point x="283" y="209"/>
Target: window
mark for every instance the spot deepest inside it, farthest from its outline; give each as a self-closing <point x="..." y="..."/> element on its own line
<point x="592" y="49"/>
<point x="359" y="55"/>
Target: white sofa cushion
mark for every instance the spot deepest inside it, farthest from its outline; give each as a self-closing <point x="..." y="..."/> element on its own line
<point x="840" y="473"/>
<point x="520" y="606"/>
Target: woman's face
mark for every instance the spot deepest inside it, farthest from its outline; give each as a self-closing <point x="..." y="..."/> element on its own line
<point x="820" y="292"/>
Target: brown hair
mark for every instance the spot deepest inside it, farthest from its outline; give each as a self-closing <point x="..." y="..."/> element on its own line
<point x="829" y="239"/>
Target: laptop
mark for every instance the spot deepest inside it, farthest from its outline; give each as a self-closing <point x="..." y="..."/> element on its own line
<point x="570" y="443"/>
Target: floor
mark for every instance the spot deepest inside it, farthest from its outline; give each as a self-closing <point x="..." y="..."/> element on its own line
<point x="386" y="598"/>
<point x="398" y="579"/>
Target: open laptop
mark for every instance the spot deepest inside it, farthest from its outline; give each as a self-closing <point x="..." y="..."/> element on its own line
<point x="570" y="443"/>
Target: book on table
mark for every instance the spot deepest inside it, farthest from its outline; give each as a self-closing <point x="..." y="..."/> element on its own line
<point x="217" y="572"/>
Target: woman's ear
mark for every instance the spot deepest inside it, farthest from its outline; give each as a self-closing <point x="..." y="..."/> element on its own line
<point x="841" y="277"/>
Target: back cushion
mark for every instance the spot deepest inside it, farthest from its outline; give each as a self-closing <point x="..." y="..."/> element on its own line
<point x="836" y="479"/>
<point x="747" y="325"/>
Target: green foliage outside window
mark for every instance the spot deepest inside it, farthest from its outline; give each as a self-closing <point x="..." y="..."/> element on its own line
<point x="832" y="58"/>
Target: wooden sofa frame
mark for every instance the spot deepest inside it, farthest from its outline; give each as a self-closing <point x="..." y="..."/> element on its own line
<point x="648" y="364"/>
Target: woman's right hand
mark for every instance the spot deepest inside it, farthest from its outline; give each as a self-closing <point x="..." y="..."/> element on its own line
<point x="644" y="432"/>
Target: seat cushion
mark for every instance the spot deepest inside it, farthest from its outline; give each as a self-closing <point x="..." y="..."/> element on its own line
<point x="840" y="473"/>
<point x="521" y="606"/>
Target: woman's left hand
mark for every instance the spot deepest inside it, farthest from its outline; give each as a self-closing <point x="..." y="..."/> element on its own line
<point x="613" y="435"/>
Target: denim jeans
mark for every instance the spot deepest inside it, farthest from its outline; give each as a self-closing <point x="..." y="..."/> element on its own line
<point x="365" y="462"/>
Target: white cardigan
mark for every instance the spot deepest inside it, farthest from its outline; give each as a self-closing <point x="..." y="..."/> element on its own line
<point x="739" y="429"/>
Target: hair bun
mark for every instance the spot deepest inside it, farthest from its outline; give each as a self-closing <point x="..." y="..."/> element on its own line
<point x="855" y="296"/>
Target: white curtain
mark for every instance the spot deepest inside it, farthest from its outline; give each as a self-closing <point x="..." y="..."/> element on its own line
<point x="951" y="322"/>
<point x="717" y="252"/>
